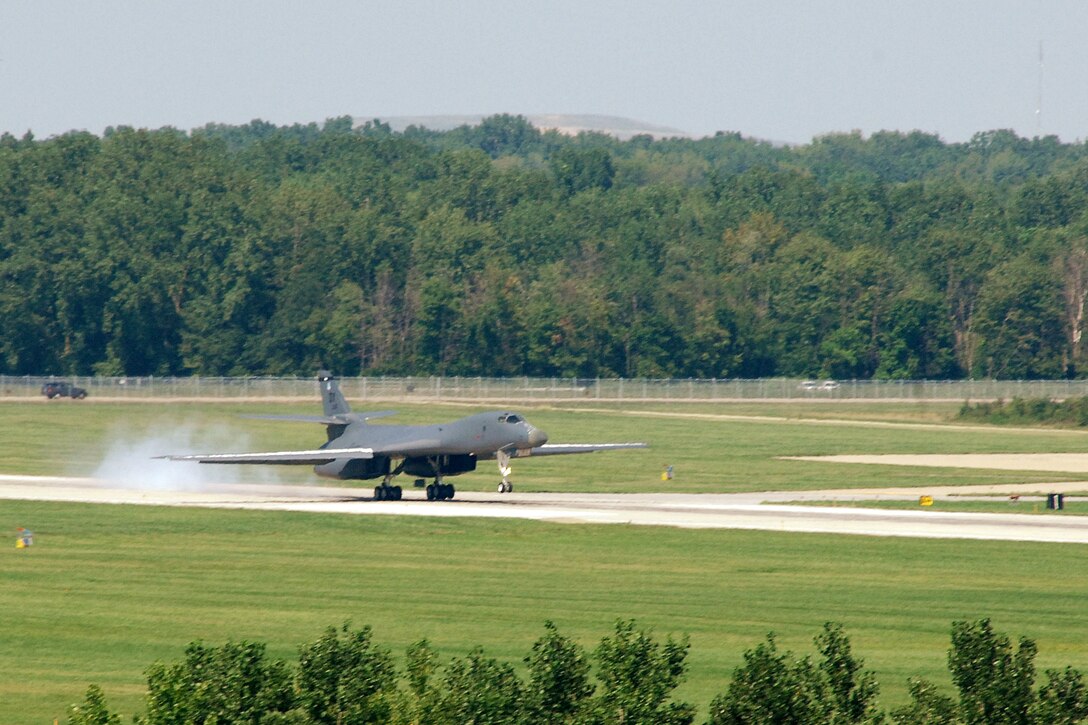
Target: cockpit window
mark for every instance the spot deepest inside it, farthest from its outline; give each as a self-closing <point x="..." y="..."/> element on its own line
<point x="509" y="418"/>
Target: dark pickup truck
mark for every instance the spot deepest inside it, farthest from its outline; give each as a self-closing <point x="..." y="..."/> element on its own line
<point x="63" y="390"/>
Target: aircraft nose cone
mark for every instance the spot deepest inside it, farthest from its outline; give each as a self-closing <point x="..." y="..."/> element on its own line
<point x="537" y="437"/>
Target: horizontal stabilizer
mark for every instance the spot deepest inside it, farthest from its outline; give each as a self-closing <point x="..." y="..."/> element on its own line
<point x="341" y="419"/>
<point x="563" y="449"/>
<point x="323" y="455"/>
<point x="373" y="414"/>
<point x="326" y="420"/>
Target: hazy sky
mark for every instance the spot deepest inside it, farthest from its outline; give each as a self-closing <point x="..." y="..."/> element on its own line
<point x="784" y="70"/>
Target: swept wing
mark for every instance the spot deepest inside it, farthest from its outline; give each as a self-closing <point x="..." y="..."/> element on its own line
<point x="562" y="449"/>
<point x="320" y="455"/>
<point x="566" y="449"/>
<point x="324" y="455"/>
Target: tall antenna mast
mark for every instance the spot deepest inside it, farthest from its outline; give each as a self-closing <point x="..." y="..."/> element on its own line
<point x="1039" y="96"/>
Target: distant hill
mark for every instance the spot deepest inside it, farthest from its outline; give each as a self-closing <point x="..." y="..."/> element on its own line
<point x="568" y="124"/>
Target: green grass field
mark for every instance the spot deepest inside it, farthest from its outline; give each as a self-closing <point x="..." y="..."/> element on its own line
<point x="107" y="590"/>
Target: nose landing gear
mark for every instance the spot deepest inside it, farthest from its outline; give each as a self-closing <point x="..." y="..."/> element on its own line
<point x="503" y="458"/>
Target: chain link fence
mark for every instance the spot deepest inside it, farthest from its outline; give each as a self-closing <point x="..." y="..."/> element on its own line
<point x="549" y="389"/>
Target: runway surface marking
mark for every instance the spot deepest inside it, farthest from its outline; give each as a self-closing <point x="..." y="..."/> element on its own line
<point x="1057" y="462"/>
<point x="702" y="511"/>
<point x="845" y="422"/>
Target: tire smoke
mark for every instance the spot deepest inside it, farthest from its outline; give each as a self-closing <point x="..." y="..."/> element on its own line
<point x="131" y="459"/>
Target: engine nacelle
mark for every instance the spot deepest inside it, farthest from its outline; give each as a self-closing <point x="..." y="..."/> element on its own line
<point x="354" y="468"/>
<point x="449" y="465"/>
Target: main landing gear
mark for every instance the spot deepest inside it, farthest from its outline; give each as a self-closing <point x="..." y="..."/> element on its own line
<point x="505" y="486"/>
<point x="385" y="492"/>
<point x="439" y="491"/>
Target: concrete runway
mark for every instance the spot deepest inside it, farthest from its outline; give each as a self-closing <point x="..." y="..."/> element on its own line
<point x="1054" y="462"/>
<point x="762" y="511"/>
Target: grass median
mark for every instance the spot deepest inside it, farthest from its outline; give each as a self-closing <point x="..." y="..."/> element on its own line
<point x="106" y="590"/>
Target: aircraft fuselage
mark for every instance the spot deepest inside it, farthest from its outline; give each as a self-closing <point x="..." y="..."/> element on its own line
<point x="446" y="448"/>
<point x="357" y="449"/>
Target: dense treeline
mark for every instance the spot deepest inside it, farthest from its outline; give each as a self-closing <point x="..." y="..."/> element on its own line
<point x="501" y="250"/>
<point x="344" y="678"/>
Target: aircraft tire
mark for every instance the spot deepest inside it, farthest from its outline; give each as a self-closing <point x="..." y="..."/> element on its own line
<point x="397" y="493"/>
<point x="502" y="487"/>
<point x="379" y="494"/>
<point x="449" y="491"/>
<point x="509" y="487"/>
<point x="431" y="493"/>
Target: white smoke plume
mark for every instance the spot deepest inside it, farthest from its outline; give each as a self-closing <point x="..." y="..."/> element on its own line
<point x="130" y="458"/>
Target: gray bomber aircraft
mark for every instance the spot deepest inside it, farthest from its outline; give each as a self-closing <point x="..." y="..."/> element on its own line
<point x="358" y="450"/>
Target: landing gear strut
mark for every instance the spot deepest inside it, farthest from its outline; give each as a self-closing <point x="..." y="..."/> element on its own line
<point x="439" y="491"/>
<point x="385" y="492"/>
<point x="505" y="486"/>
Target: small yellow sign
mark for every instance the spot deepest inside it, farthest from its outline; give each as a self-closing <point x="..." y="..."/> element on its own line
<point x="925" y="500"/>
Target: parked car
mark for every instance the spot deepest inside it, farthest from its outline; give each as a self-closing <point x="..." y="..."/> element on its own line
<point x="63" y="390"/>
<point x="829" y="385"/>
<point x="808" y="385"/>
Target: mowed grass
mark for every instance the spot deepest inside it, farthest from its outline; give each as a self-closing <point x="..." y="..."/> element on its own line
<point x="107" y="590"/>
<point x="709" y="450"/>
<point x="925" y="411"/>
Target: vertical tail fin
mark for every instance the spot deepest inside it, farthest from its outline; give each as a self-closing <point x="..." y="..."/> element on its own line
<point x="331" y="398"/>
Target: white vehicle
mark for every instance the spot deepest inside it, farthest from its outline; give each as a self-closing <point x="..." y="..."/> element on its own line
<point x="808" y="385"/>
<point x="829" y="385"/>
